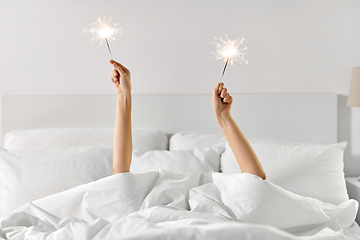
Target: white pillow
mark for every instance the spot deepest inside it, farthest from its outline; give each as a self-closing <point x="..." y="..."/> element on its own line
<point x="190" y="140"/>
<point x="311" y="170"/>
<point x="195" y="160"/>
<point x="253" y="140"/>
<point x="32" y="174"/>
<point x="143" y="139"/>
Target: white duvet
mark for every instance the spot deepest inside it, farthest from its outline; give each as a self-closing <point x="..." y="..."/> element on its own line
<point x="167" y="205"/>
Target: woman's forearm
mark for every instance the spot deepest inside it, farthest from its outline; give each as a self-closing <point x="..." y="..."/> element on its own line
<point x="122" y="143"/>
<point x="240" y="146"/>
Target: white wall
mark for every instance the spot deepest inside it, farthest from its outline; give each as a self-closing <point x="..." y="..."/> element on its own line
<point x="294" y="46"/>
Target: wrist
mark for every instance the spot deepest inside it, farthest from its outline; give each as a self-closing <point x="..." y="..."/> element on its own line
<point x="223" y="115"/>
<point x="222" y="118"/>
<point x="124" y="99"/>
<point x="123" y="94"/>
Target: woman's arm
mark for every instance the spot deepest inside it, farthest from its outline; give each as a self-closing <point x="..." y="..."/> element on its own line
<point x="122" y="143"/>
<point x="244" y="154"/>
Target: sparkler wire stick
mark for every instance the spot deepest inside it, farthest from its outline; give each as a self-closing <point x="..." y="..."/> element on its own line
<point x="222" y="75"/>
<point x="227" y="61"/>
<point x="108" y="46"/>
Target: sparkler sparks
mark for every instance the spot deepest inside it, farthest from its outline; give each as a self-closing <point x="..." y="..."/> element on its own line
<point x="230" y="51"/>
<point x="104" y="30"/>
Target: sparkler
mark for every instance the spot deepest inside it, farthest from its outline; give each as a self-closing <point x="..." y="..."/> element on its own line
<point x="230" y="51"/>
<point x="104" y="30"/>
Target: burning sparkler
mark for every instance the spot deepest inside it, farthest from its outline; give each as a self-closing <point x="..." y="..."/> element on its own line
<point x="104" y="30"/>
<point x="230" y="51"/>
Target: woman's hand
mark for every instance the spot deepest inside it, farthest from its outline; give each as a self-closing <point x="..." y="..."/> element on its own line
<point x="120" y="77"/>
<point x="221" y="100"/>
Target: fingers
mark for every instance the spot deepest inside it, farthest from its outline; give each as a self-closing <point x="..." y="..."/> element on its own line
<point x="119" y="69"/>
<point x="118" y="66"/>
<point x="220" y="87"/>
<point x="114" y="77"/>
<point x="115" y="74"/>
<point x="216" y="89"/>
<point x="228" y="98"/>
<point x="123" y="67"/>
<point x="223" y="93"/>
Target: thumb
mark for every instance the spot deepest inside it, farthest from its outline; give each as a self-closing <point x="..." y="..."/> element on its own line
<point x="117" y="67"/>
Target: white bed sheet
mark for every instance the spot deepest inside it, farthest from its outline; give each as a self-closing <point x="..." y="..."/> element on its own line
<point x="163" y="205"/>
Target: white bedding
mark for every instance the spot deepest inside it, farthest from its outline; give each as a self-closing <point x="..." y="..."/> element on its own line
<point x="167" y="205"/>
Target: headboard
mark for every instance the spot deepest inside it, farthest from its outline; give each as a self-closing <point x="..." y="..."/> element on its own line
<point x="290" y="117"/>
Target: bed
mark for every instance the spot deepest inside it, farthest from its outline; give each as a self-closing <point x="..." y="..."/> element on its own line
<point x="56" y="180"/>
